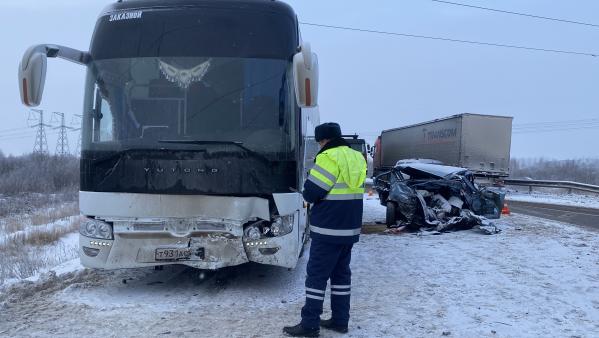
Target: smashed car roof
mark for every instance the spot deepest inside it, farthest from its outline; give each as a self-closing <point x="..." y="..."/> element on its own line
<point x="430" y="170"/>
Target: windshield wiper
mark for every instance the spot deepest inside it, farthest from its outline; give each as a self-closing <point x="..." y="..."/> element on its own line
<point x="202" y="142"/>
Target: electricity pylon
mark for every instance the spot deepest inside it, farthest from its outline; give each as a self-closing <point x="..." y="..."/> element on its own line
<point x="76" y="123"/>
<point x="40" y="146"/>
<point x="62" y="144"/>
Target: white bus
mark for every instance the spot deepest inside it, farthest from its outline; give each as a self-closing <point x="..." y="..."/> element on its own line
<point x="196" y="118"/>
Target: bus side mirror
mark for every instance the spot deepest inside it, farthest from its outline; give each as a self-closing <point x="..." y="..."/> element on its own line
<point x="32" y="77"/>
<point x="305" y="75"/>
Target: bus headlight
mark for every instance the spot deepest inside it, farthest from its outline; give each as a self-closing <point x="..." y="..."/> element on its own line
<point x="252" y="232"/>
<point x="96" y="229"/>
<point x="282" y="225"/>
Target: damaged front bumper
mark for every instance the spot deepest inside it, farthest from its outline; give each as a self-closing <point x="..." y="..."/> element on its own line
<point x="202" y="244"/>
<point x="205" y="232"/>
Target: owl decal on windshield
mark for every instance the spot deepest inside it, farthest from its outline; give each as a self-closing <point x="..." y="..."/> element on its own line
<point x="184" y="77"/>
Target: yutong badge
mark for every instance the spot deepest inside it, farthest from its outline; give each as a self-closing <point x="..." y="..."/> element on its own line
<point x="126" y="16"/>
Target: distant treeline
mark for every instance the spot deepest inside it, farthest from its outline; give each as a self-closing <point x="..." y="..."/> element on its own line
<point x="38" y="174"/>
<point x="58" y="174"/>
<point x="583" y="170"/>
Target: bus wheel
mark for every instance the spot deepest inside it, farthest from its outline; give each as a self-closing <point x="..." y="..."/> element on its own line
<point x="391" y="216"/>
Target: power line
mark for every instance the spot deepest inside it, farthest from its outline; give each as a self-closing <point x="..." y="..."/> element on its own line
<point x="557" y="122"/>
<point x="517" y="13"/>
<point x="76" y="120"/>
<point x="471" y="42"/>
<point x="18" y="137"/>
<point x="549" y="127"/>
<point x="533" y="127"/>
<point x="569" y="124"/>
<point x="30" y="132"/>
<point x="13" y="129"/>
<point x="554" y="129"/>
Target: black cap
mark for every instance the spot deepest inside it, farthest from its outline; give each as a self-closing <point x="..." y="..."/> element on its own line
<point x="327" y="131"/>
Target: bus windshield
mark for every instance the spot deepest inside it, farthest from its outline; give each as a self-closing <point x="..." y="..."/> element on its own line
<point x="180" y="102"/>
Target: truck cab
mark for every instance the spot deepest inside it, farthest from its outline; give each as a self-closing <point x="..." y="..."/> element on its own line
<point x="357" y="144"/>
<point x="360" y="145"/>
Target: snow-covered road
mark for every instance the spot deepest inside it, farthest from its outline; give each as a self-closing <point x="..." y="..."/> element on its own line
<point x="536" y="278"/>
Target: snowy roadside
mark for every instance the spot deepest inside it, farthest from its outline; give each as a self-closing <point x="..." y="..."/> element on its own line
<point x="29" y="229"/>
<point x="60" y="257"/>
<point x="373" y="210"/>
<point x="576" y="200"/>
<point x="536" y="278"/>
<point x="36" y="241"/>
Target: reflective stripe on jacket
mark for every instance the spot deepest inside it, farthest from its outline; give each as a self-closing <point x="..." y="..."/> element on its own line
<point x="335" y="186"/>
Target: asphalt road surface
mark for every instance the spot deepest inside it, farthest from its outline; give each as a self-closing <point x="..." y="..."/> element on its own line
<point x="586" y="217"/>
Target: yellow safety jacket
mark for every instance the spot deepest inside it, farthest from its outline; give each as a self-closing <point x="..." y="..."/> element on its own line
<point x="335" y="186"/>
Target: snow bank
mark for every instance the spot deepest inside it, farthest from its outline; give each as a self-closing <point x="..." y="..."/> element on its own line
<point x="60" y="257"/>
<point x="63" y="223"/>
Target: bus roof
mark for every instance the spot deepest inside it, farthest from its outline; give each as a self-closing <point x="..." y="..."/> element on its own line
<point x="196" y="28"/>
<point x="270" y="5"/>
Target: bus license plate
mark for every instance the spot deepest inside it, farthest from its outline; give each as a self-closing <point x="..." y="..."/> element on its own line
<point x="172" y="254"/>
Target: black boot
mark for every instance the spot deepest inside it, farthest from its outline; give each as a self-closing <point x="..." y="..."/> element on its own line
<point x="300" y="331"/>
<point x="330" y="325"/>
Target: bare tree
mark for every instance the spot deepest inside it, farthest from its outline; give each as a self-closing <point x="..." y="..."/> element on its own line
<point x="580" y="170"/>
<point x="38" y="174"/>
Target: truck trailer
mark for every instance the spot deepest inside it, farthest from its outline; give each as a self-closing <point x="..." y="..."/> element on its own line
<point x="480" y="143"/>
<point x="196" y="118"/>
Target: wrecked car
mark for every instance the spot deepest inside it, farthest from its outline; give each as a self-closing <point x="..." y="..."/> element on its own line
<point x="437" y="197"/>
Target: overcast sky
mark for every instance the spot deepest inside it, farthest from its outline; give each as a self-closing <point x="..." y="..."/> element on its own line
<point x="373" y="82"/>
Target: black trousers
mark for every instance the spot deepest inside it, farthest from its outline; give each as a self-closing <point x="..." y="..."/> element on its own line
<point x="327" y="261"/>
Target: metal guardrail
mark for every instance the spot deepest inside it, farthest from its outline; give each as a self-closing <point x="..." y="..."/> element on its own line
<point x="553" y="184"/>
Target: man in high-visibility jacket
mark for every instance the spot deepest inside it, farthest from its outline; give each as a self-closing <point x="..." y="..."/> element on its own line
<point x="335" y="188"/>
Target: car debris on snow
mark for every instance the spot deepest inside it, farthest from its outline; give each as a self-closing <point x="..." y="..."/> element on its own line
<point x="437" y="197"/>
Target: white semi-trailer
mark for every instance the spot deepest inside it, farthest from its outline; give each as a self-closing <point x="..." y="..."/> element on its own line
<point x="197" y="115"/>
<point x="480" y="143"/>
